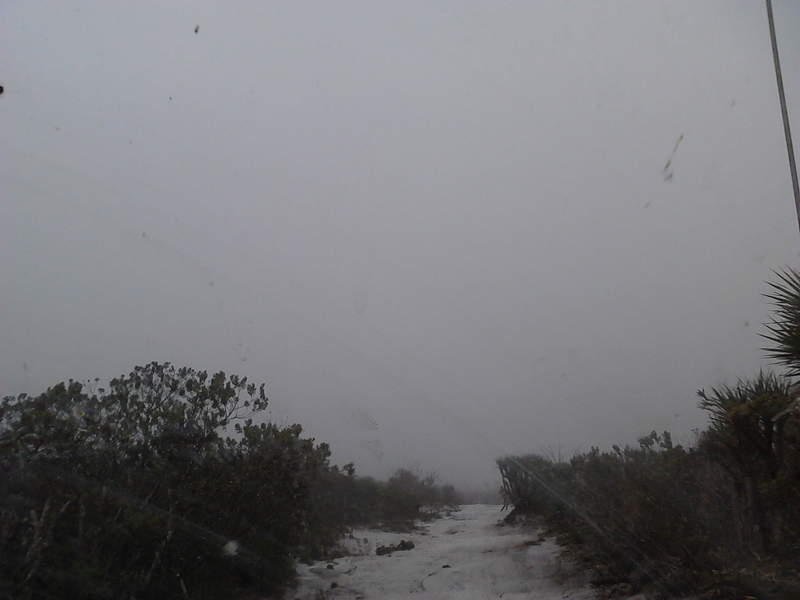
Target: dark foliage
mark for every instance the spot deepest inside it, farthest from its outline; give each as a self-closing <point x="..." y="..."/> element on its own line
<point x="784" y="328"/>
<point x="674" y="519"/>
<point x="342" y="500"/>
<point x="719" y="518"/>
<point x="134" y="491"/>
<point x="163" y="486"/>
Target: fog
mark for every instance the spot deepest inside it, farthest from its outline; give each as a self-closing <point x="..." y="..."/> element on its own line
<point x="440" y="232"/>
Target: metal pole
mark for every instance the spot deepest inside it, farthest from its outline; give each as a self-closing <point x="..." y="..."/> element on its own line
<point x="787" y="132"/>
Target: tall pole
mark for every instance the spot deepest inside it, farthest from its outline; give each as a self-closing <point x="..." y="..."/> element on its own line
<point x="787" y="132"/>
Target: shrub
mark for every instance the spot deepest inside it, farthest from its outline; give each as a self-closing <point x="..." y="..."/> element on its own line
<point x="679" y="519"/>
<point x="136" y="490"/>
<point x="162" y="485"/>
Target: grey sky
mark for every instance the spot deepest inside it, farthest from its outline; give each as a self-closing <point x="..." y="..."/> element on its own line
<point x="439" y="231"/>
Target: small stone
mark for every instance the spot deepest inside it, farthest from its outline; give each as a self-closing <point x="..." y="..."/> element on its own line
<point x="405" y="545"/>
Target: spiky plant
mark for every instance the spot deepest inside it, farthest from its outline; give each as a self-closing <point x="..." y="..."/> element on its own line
<point x="784" y="328"/>
<point x="758" y="399"/>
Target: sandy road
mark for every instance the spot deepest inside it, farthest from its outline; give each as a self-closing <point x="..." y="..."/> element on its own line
<point x="464" y="556"/>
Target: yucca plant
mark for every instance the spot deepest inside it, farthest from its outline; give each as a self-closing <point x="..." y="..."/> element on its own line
<point x="757" y="450"/>
<point x="784" y="327"/>
<point x="756" y="401"/>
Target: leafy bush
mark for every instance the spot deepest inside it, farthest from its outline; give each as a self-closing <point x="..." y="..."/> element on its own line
<point x="758" y="446"/>
<point x="634" y="509"/>
<point x="719" y="516"/>
<point x="163" y="486"/>
<point x="658" y="515"/>
<point x="343" y="500"/>
<point x="136" y="491"/>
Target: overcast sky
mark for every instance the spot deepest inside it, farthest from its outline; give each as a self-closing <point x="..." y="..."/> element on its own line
<point x="439" y="231"/>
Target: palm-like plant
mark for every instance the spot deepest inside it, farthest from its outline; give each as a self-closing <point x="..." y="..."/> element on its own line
<point x="755" y="401"/>
<point x="784" y="328"/>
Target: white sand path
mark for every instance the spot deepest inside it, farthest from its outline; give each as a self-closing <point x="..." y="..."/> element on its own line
<point x="464" y="556"/>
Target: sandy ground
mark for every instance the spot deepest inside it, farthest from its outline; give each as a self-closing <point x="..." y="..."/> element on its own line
<point x="464" y="556"/>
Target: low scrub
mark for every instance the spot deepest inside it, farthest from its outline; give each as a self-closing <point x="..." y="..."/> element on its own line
<point x="664" y="517"/>
<point x="162" y="485"/>
<point x="719" y="518"/>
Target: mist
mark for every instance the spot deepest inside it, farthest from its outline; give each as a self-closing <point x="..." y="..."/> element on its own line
<point x="440" y="232"/>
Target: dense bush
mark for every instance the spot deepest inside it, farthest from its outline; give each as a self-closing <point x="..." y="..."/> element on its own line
<point x="162" y="485"/>
<point x="342" y="500"/>
<point x="676" y="519"/>
<point x="637" y="510"/>
<point x="134" y="491"/>
<point x="756" y="442"/>
<point x="720" y="516"/>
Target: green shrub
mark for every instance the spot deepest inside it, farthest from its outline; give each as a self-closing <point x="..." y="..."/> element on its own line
<point x="720" y="514"/>
<point x="675" y="518"/>
<point x="137" y="491"/>
<point x="162" y="486"/>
